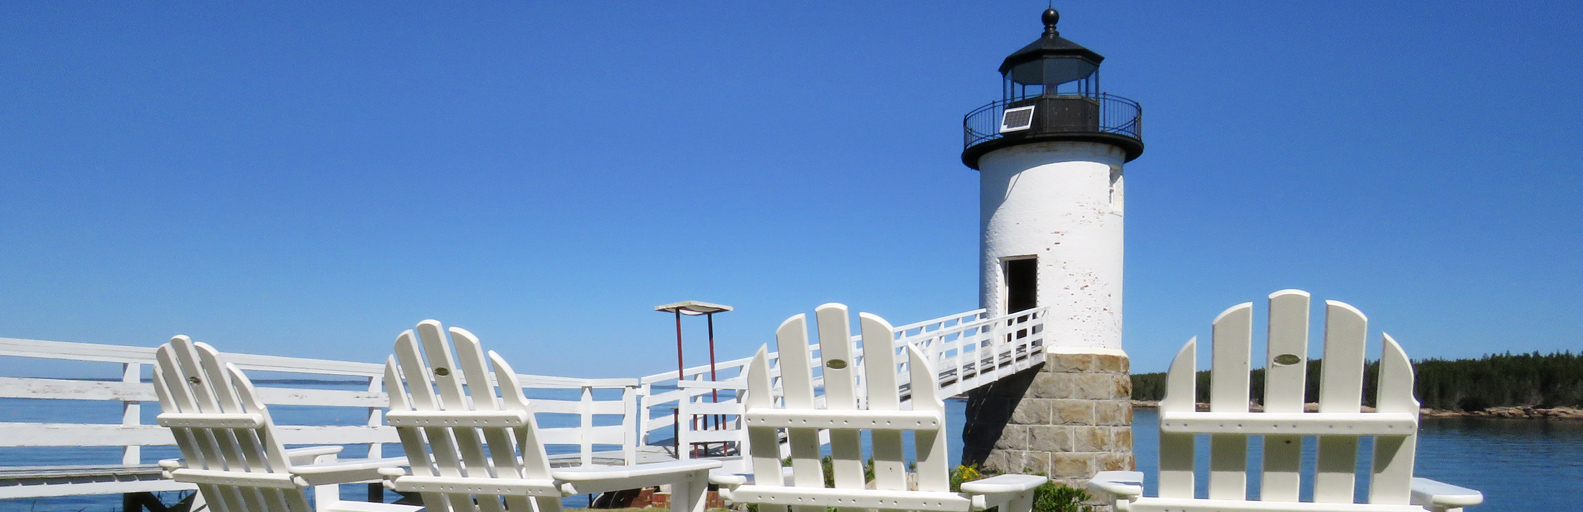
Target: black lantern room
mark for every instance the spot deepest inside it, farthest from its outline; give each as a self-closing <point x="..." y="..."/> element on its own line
<point x="1050" y="92"/>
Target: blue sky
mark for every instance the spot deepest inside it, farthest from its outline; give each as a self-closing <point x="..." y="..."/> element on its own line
<point x="310" y="179"/>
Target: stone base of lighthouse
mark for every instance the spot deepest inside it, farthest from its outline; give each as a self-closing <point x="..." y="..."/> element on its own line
<point x="1069" y="418"/>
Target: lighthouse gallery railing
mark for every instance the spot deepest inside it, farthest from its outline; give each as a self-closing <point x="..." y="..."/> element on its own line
<point x="1117" y="115"/>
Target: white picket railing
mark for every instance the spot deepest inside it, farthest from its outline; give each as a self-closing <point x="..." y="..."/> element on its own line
<point x="968" y="350"/>
<point x="131" y="434"/>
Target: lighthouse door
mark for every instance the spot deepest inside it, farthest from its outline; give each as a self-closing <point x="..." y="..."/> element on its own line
<point x="1022" y="284"/>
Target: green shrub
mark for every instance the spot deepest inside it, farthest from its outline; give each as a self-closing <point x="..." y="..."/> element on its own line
<point x="1054" y="497"/>
<point x="961" y="474"/>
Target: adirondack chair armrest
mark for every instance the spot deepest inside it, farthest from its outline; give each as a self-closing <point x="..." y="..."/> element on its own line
<point x="733" y="480"/>
<point x="1126" y="485"/>
<point x="1438" y="496"/>
<point x="1011" y="493"/>
<point x="729" y="479"/>
<point x="167" y="466"/>
<point x="583" y="480"/>
<point x="1003" y="484"/>
<point x="389" y="475"/>
<point x="309" y="454"/>
<point x="347" y="471"/>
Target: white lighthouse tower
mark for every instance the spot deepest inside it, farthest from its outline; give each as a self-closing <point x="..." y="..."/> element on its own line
<point x="1050" y="155"/>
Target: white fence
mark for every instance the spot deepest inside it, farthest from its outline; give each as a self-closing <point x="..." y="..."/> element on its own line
<point x="616" y="420"/>
<point x="130" y="433"/>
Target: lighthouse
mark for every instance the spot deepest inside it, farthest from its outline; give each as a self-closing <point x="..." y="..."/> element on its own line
<point x="1050" y="155"/>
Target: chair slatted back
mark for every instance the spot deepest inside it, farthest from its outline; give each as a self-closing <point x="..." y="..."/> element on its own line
<point x="454" y="421"/>
<point x="843" y="416"/>
<point x="1338" y="424"/>
<point x="224" y="431"/>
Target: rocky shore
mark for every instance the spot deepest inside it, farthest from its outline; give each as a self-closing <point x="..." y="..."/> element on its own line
<point x="1526" y="412"/>
<point x="1516" y="413"/>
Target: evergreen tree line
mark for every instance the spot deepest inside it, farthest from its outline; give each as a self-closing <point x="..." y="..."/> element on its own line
<point x="1496" y="380"/>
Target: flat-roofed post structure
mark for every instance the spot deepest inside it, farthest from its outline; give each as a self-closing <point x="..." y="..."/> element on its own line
<point x="1050" y="155"/>
<point x="707" y="310"/>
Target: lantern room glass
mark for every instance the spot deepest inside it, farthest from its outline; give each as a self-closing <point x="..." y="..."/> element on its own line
<point x="1052" y="76"/>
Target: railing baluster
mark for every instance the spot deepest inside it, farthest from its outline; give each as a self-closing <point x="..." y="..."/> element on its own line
<point x="131" y="412"/>
<point x="375" y="385"/>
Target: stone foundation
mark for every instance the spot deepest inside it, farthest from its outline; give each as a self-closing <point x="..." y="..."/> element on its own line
<point x="1069" y="418"/>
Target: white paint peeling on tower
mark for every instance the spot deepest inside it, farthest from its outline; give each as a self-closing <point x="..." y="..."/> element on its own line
<point x="1059" y="204"/>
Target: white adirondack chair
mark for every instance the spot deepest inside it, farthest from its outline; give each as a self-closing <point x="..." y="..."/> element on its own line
<point x="845" y="421"/>
<point x="1338" y="424"/>
<point x="472" y="440"/>
<point x="229" y="447"/>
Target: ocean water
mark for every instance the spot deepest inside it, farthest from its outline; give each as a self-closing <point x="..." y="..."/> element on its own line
<point x="1519" y="465"/>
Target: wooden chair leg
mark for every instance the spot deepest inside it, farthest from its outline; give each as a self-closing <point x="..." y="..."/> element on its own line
<point x="325" y="496"/>
<point x="1022" y="503"/>
<point x="692" y="494"/>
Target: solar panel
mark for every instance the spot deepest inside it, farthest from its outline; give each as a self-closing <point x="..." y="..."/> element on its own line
<point x="1020" y="118"/>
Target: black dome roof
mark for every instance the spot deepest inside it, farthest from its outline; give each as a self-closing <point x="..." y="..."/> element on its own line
<point x="1051" y="44"/>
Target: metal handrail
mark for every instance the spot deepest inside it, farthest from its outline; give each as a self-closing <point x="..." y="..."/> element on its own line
<point x="1117" y="115"/>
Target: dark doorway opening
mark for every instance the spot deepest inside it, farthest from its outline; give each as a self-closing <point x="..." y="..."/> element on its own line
<point x="1022" y="284"/>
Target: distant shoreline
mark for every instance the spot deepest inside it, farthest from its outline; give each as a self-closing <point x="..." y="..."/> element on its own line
<point x="1513" y="413"/>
